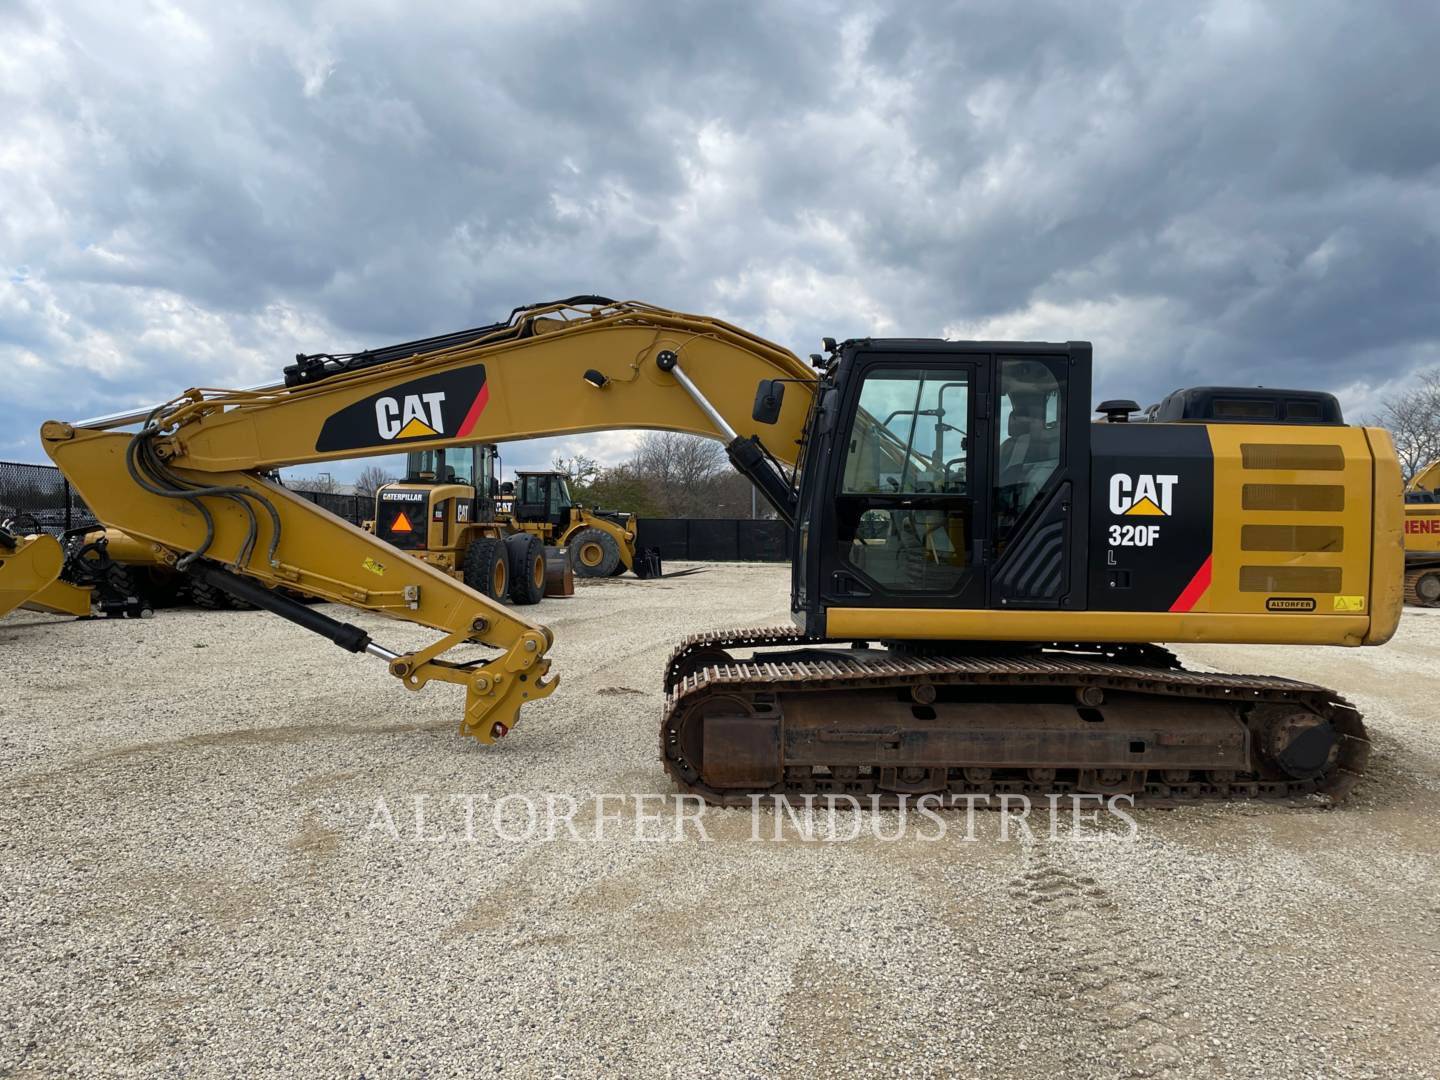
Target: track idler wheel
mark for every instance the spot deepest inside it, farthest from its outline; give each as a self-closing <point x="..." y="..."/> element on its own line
<point x="1422" y="587"/>
<point x="1301" y="744"/>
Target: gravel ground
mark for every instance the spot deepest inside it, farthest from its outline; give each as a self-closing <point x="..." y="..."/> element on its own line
<point x="198" y="877"/>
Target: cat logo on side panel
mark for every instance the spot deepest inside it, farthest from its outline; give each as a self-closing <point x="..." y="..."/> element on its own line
<point x="1145" y="495"/>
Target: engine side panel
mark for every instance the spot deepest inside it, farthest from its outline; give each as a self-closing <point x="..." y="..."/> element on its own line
<point x="1151" y="516"/>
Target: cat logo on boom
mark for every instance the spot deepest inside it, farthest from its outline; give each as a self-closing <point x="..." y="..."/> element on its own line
<point x="413" y="417"/>
<point x="1145" y="495"/>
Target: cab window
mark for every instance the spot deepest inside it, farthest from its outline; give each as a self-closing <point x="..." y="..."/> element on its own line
<point x="453" y="466"/>
<point x="1029" y="435"/>
<point x="903" y="516"/>
<point x="559" y="496"/>
<point x="910" y="433"/>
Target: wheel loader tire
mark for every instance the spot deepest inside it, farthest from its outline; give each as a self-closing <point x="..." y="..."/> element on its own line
<point x="121" y="596"/>
<point x="207" y="596"/>
<point x="619" y="569"/>
<point x="487" y="569"/>
<point x="527" y="568"/>
<point x="594" y="553"/>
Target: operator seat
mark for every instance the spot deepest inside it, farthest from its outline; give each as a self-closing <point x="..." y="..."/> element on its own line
<point x="1028" y="456"/>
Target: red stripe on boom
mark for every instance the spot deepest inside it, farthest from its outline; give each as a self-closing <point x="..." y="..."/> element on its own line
<point x="1196" y="589"/>
<point x="476" y="408"/>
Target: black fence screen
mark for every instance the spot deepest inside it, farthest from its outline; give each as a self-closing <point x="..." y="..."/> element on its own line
<point x="353" y="508"/>
<point x="715" y="539"/>
<point x="40" y="499"/>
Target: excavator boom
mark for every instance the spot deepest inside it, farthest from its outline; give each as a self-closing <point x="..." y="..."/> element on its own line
<point x="192" y="479"/>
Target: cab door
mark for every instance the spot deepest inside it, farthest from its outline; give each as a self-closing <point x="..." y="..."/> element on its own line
<point x="909" y="521"/>
<point x="1040" y="478"/>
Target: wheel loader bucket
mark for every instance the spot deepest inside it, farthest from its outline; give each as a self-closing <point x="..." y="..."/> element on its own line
<point x="30" y="577"/>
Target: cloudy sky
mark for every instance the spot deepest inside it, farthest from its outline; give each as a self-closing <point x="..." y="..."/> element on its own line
<point x="1222" y="192"/>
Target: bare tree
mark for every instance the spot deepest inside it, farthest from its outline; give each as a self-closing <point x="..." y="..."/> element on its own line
<point x="680" y="471"/>
<point x="1413" y="419"/>
<point x="581" y="470"/>
<point x="371" y="479"/>
<point x="324" y="484"/>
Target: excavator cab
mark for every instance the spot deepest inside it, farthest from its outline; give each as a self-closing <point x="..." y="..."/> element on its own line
<point x="944" y="480"/>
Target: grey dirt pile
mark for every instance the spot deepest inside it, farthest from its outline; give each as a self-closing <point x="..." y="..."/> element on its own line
<point x="199" y="876"/>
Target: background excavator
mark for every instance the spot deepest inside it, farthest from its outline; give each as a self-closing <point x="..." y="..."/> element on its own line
<point x="978" y="571"/>
<point x="1422" y="537"/>
<point x="89" y="571"/>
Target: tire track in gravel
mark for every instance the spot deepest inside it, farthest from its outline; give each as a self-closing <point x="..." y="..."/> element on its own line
<point x="1130" y="1004"/>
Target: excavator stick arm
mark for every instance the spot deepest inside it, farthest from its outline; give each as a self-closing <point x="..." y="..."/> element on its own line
<point x="323" y="556"/>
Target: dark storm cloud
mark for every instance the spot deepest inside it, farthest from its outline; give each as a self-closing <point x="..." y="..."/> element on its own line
<point x="1225" y="192"/>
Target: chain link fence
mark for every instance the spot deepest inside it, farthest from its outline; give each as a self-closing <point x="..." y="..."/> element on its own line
<point x="40" y="499"/>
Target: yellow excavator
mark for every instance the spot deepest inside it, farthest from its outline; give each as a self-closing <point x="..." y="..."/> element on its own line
<point x="1422" y="537"/>
<point x="979" y="572"/>
<point x="103" y="572"/>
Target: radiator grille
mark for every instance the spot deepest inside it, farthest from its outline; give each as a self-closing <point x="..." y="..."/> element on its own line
<point x="1292" y="456"/>
<point x="1292" y="538"/>
<point x="1329" y="497"/>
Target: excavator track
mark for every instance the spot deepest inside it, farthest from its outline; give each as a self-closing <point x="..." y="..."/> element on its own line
<point x="706" y="649"/>
<point x="1106" y="720"/>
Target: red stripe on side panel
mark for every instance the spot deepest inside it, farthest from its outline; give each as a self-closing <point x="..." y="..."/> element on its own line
<point x="1196" y="589"/>
<point x="476" y="408"/>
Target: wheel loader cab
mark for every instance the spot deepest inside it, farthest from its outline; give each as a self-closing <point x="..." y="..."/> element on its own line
<point x="543" y="497"/>
<point x="943" y="476"/>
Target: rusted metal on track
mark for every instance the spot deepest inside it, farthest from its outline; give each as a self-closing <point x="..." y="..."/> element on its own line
<point x="1065" y="720"/>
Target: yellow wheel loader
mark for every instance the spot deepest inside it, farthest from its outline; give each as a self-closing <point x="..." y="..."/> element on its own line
<point x="599" y="543"/>
<point x="980" y="575"/>
<point x="1422" y="537"/>
<point x="449" y="511"/>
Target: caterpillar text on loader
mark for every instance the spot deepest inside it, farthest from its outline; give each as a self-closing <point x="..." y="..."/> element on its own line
<point x="978" y="572"/>
<point x="447" y="511"/>
<point x="1422" y="537"/>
